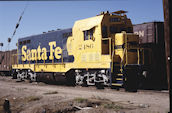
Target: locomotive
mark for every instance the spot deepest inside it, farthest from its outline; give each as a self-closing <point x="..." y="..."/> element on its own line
<point x="100" y="51"/>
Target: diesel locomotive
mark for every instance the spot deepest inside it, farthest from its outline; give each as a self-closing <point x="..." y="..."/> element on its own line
<point x="100" y="51"/>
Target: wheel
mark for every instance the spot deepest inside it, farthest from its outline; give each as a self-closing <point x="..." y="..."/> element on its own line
<point x="14" y="74"/>
<point x="99" y="85"/>
<point x="84" y="82"/>
<point x="70" y="78"/>
<point x="19" y="76"/>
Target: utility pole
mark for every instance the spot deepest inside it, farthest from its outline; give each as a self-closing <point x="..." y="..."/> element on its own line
<point x="168" y="33"/>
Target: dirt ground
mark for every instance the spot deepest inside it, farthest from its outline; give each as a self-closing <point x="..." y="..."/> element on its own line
<point x="36" y="97"/>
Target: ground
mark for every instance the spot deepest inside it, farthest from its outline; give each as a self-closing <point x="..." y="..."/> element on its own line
<point x="36" y="97"/>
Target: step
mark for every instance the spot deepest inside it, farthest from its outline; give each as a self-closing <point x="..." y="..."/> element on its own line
<point x="119" y="82"/>
<point x="116" y="84"/>
<point x="119" y="74"/>
<point x="119" y="79"/>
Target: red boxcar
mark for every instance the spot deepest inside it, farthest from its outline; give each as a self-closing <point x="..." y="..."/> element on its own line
<point x="6" y="61"/>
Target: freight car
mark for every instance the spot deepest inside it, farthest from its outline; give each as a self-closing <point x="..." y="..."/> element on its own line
<point x="6" y="61"/>
<point x="100" y="51"/>
<point x="151" y="38"/>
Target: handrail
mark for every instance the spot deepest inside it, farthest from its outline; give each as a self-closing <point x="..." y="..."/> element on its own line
<point x="138" y="56"/>
<point x="113" y="52"/>
<point x="106" y="38"/>
<point x="123" y="58"/>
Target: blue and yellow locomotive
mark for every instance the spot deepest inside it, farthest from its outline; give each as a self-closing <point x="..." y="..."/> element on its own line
<point x="100" y="50"/>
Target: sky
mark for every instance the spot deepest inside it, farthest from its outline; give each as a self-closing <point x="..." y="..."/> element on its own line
<point x="42" y="16"/>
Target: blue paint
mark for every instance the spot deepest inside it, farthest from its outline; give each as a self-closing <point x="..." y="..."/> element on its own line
<point x="43" y="40"/>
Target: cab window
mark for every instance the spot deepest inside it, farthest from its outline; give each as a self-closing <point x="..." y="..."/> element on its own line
<point x="114" y="19"/>
<point x="104" y="31"/>
<point x="88" y="34"/>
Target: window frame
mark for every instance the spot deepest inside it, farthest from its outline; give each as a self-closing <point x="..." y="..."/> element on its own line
<point x="104" y="31"/>
<point x="88" y="34"/>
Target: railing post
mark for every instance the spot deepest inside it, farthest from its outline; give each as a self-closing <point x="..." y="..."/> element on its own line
<point x="112" y="56"/>
<point x="109" y="46"/>
<point x="138" y="55"/>
<point x="143" y="56"/>
<point x="62" y="56"/>
<point x="17" y="59"/>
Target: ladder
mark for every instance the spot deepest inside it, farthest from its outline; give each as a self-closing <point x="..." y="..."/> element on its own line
<point x="117" y="77"/>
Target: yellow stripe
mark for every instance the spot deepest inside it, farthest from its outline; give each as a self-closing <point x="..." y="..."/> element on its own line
<point x="119" y="79"/>
<point x="120" y="74"/>
<point x="116" y="84"/>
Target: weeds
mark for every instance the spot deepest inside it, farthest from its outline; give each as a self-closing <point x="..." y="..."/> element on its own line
<point x="32" y="98"/>
<point x="81" y="100"/>
<point x="99" y="98"/>
<point x="112" y="106"/>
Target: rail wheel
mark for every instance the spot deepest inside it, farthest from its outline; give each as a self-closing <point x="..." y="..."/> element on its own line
<point x="70" y="78"/>
<point x="84" y="84"/>
<point x="20" y="75"/>
<point x="99" y="85"/>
